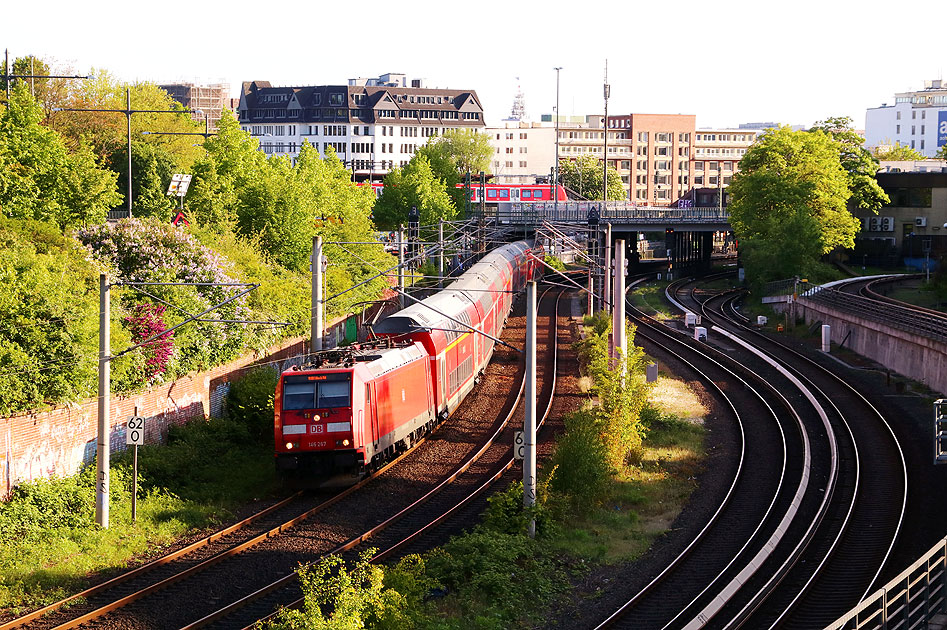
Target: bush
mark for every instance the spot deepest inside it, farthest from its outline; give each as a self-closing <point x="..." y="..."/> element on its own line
<point x="581" y="461"/>
<point x="49" y="303"/>
<point x="505" y="573"/>
<point x="250" y="402"/>
<point x="148" y="251"/>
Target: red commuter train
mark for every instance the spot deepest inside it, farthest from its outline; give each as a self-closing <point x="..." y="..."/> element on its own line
<point x="354" y="407"/>
<point x="504" y="192"/>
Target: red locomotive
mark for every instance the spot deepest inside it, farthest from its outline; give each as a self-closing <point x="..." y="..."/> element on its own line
<point x="354" y="407"/>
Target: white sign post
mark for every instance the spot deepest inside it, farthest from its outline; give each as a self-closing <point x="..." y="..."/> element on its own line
<point x="135" y="437"/>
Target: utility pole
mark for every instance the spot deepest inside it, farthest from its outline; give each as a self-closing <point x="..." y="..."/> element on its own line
<point x="315" y="333"/>
<point x="607" y="91"/>
<point x="608" y="269"/>
<point x="440" y="255"/>
<point x="102" y="441"/>
<point x="529" y="422"/>
<point x="401" y="266"/>
<point x="556" y="178"/>
<point x="619" y="339"/>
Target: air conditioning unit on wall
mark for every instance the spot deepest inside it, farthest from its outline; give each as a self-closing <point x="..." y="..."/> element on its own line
<point x="887" y="224"/>
<point x="920" y="221"/>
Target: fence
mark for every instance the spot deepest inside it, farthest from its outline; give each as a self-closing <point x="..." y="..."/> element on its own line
<point x="910" y="600"/>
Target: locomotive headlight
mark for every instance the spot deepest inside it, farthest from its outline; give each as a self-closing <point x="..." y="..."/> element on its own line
<point x="289" y="446"/>
<point x="342" y="442"/>
<point x="316" y="418"/>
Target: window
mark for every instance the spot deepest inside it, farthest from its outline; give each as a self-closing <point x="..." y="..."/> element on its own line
<point x="337" y="98"/>
<point x="526" y="194"/>
<point x="642" y="136"/>
<point x="897" y="129"/>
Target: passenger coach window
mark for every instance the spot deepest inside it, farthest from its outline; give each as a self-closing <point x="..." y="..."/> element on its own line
<point x="333" y="394"/>
<point x="527" y="194"/>
<point x="299" y="395"/>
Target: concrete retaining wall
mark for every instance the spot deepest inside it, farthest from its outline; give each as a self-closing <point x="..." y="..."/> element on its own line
<point x="914" y="356"/>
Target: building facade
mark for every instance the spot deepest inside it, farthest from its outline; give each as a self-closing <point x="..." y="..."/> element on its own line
<point x="918" y="119"/>
<point x="206" y="102"/>
<point x="373" y="125"/>
<point x="661" y="158"/>
<point x="524" y="152"/>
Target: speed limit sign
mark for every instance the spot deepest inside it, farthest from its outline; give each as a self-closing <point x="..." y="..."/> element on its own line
<point x="519" y="445"/>
<point x="135" y="431"/>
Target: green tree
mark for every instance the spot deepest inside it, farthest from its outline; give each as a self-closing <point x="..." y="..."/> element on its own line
<point x="789" y="203"/>
<point x="941" y="153"/>
<point x="414" y="185"/>
<point x="857" y="161"/>
<point x="584" y="176"/>
<point x="897" y="152"/>
<point x="40" y="179"/>
<point x="456" y="153"/>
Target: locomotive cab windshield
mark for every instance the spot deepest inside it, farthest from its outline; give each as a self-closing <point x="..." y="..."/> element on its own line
<point x="323" y="391"/>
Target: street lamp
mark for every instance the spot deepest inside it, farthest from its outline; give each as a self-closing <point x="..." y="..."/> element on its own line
<point x="128" y="111"/>
<point x="607" y="89"/>
<point x="556" y="183"/>
<point x="7" y="76"/>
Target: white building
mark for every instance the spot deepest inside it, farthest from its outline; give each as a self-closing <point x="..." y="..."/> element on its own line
<point x="917" y="119"/>
<point x="373" y="125"/>
<point x="523" y="151"/>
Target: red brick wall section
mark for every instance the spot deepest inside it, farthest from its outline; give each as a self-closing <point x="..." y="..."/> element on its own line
<point x="59" y="441"/>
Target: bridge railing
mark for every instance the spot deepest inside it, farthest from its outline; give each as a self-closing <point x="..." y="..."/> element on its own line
<point x="580" y="211"/>
<point x="908" y="601"/>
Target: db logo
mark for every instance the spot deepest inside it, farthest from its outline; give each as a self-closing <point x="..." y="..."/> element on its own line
<point x="316" y="428"/>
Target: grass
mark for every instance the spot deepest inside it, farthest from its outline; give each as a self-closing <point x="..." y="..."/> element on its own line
<point x="643" y="501"/>
<point x="650" y="299"/>
<point x="52" y="545"/>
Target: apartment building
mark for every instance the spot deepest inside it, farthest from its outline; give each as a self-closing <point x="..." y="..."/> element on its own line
<point x="372" y="124"/>
<point x="716" y="157"/>
<point x="918" y="119"/>
<point x="523" y="151"/>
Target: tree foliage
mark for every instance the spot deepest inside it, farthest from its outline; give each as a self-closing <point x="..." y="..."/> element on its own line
<point x="584" y="176"/>
<point x="789" y="203"/>
<point x="40" y="179"/>
<point x="48" y="317"/>
<point x="897" y="152"/>
<point x="859" y="164"/>
<point x="414" y="185"/>
<point x="280" y="207"/>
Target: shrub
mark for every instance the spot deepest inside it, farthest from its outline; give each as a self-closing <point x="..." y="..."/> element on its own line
<point x="148" y="251"/>
<point x="250" y="402"/>
<point x="581" y="460"/>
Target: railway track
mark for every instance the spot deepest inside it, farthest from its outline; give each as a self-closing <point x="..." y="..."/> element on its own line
<point x="860" y="525"/>
<point x="830" y="543"/>
<point x="188" y="593"/>
<point x="764" y="484"/>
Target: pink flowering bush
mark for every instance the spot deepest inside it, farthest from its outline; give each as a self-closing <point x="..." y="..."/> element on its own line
<point x="145" y="322"/>
<point x="145" y="250"/>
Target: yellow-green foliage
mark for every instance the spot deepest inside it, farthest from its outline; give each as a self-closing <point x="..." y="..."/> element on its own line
<point x="622" y="390"/>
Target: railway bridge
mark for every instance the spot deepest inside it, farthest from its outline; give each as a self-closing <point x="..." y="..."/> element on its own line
<point x="689" y="231"/>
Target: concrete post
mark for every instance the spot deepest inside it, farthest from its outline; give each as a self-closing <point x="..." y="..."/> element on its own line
<point x="316" y="330"/>
<point x="102" y="443"/>
<point x="529" y="422"/>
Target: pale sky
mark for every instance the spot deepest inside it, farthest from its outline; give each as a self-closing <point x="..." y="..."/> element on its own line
<point x="725" y="62"/>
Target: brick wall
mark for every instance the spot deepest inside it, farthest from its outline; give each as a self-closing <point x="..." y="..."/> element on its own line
<point x="60" y="440"/>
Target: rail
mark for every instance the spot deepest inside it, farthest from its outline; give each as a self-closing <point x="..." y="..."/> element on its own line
<point x="908" y="601"/>
<point x="613" y="211"/>
<point x="930" y="326"/>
